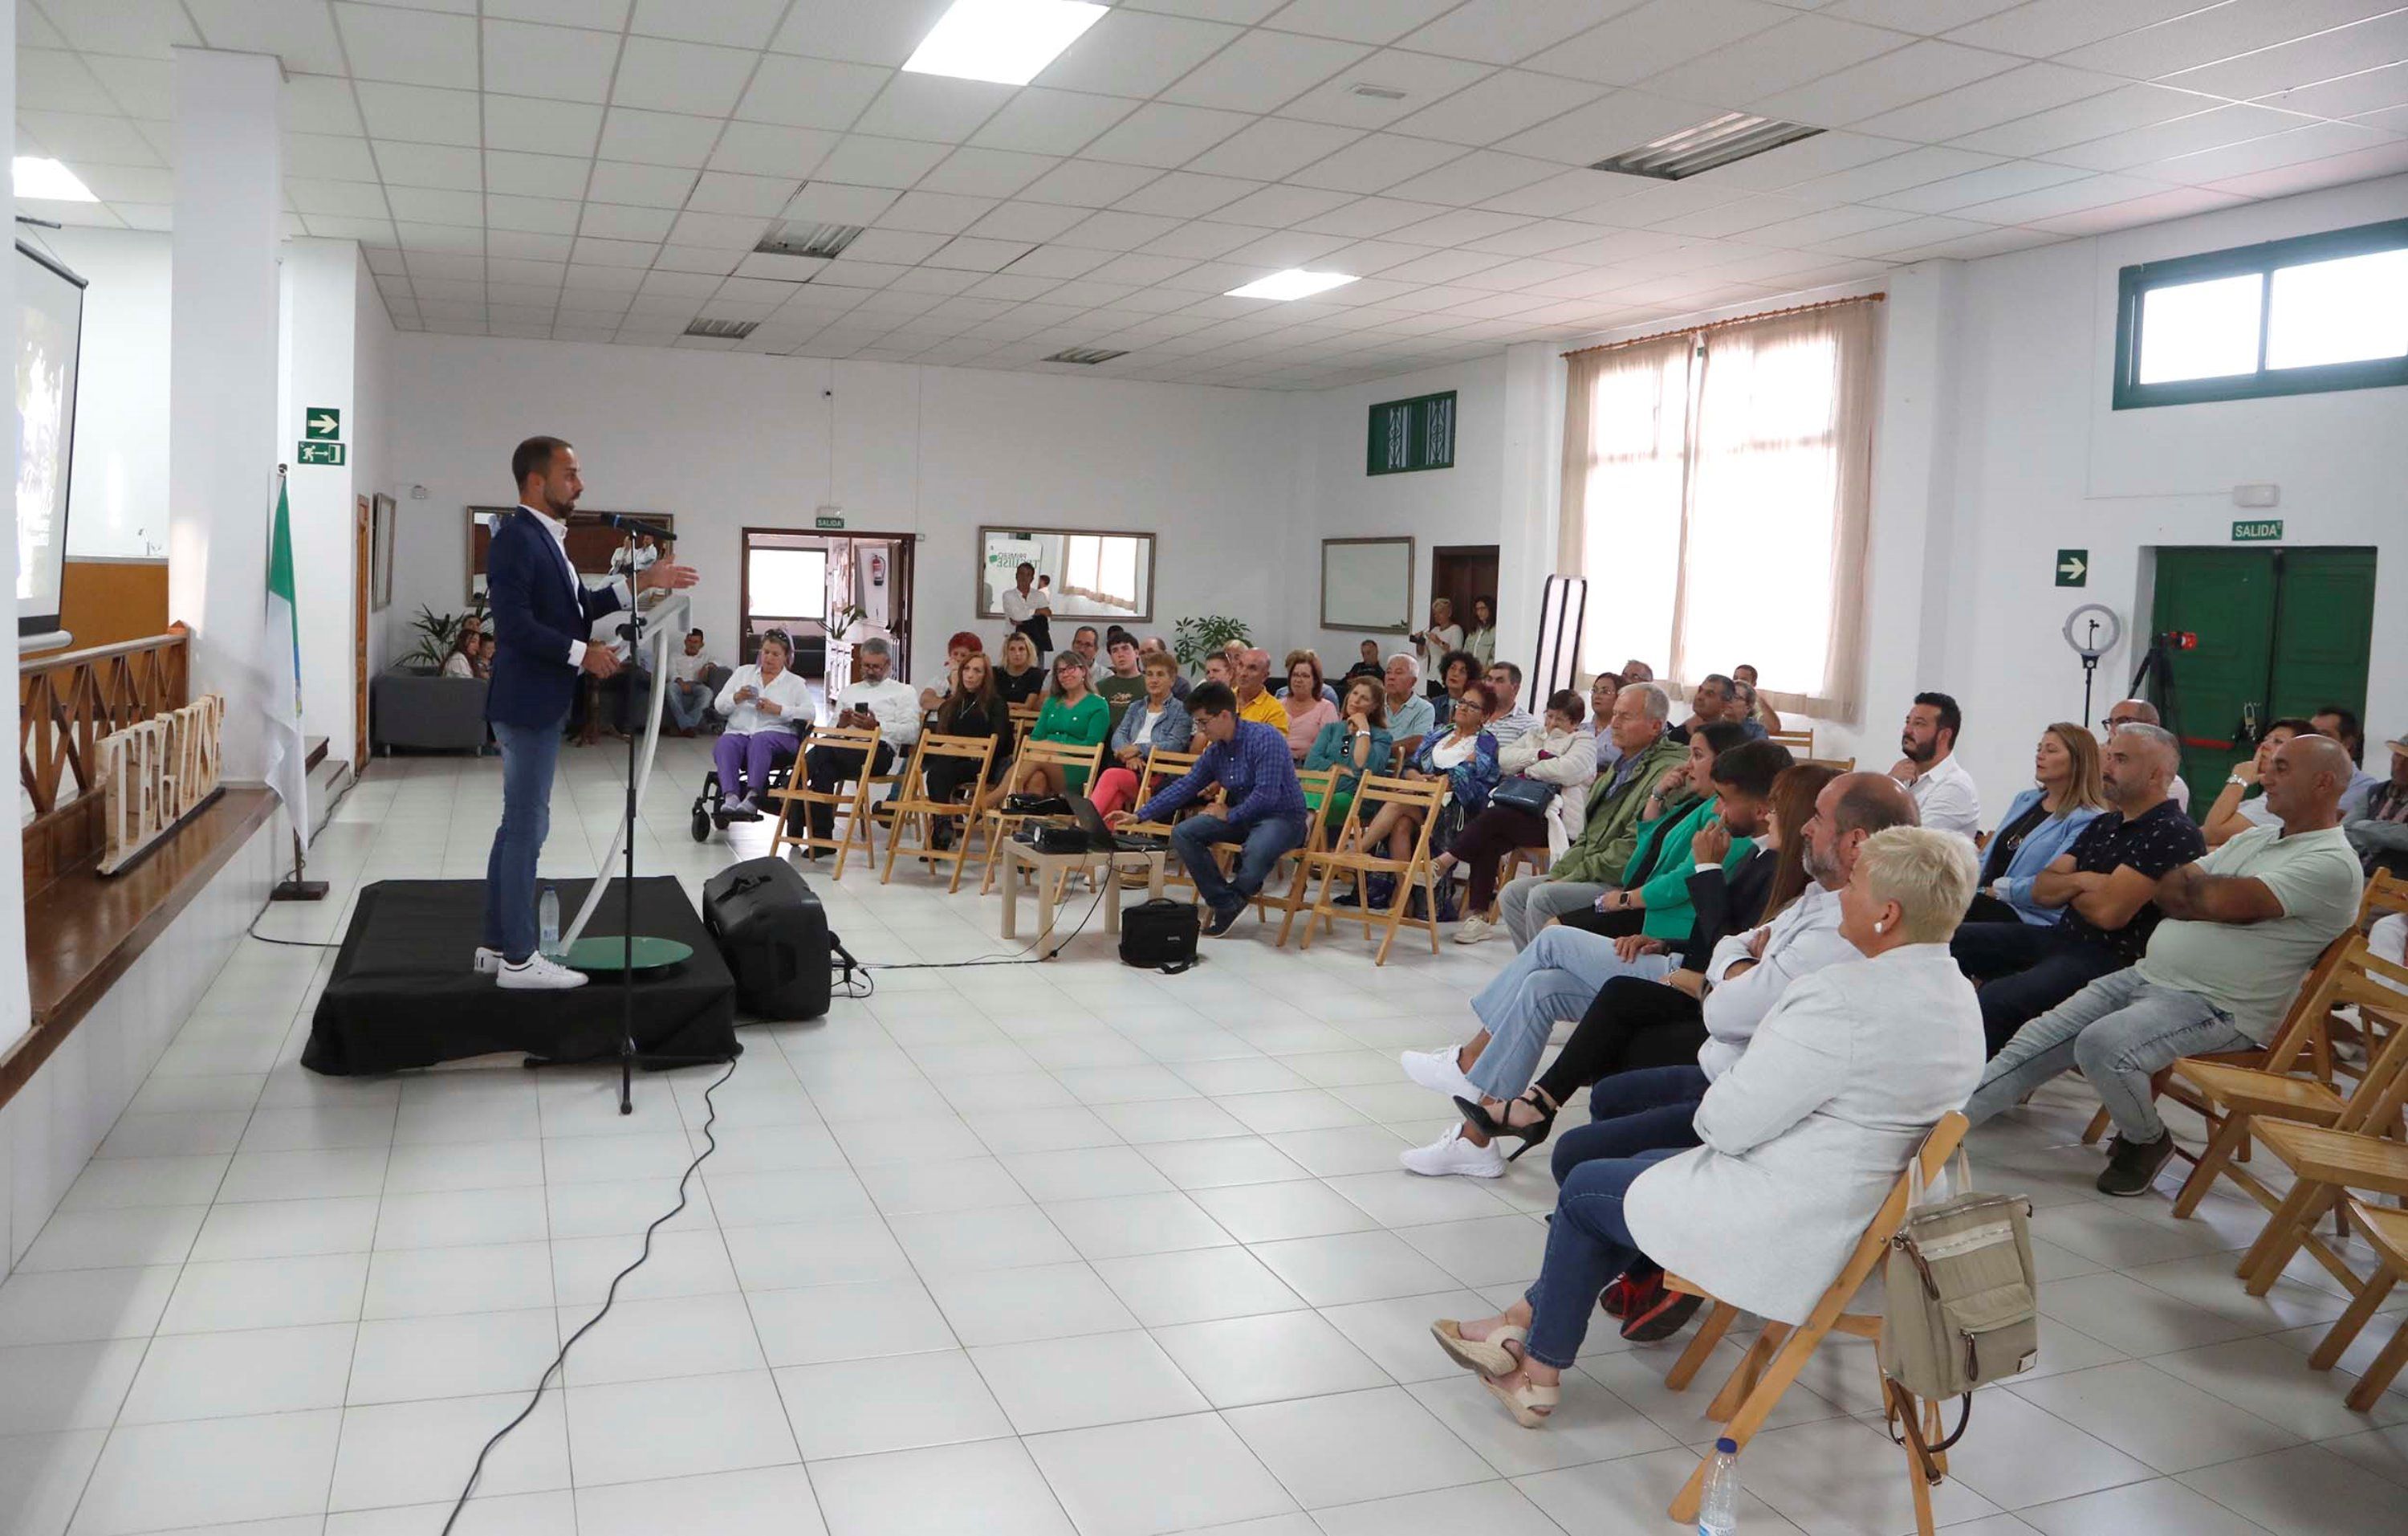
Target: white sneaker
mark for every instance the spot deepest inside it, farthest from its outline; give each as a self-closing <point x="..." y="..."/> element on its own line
<point x="1437" y="1071"/>
<point x="740" y="805"/>
<point x="1451" y="1154"/>
<point x="538" y="975"/>
<point x="1471" y="930"/>
<point x="488" y="960"/>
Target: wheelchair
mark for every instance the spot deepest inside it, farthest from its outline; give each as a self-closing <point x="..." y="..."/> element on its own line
<point x="710" y="814"/>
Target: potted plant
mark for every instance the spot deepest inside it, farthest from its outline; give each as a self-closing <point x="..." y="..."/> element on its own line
<point x="1193" y="640"/>
<point x="437" y="633"/>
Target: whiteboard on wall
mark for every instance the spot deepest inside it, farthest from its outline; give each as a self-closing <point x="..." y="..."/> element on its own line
<point x="1368" y="584"/>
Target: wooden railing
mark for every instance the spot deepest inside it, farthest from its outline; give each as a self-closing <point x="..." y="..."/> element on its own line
<point x="65" y="703"/>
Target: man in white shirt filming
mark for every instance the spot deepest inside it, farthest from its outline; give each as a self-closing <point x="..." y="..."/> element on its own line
<point x="1944" y="795"/>
<point x="689" y="695"/>
<point x="873" y="701"/>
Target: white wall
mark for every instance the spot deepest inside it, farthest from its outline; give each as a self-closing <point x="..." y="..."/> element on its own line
<point x="118" y="501"/>
<point x="368" y="424"/>
<point x="320" y="297"/>
<point x="727" y="440"/>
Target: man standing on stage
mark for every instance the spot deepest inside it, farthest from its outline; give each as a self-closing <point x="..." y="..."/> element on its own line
<point x="542" y="612"/>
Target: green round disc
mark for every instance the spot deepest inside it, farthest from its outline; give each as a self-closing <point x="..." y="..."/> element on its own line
<point x="611" y="953"/>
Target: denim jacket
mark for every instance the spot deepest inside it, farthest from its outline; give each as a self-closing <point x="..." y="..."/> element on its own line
<point x="2040" y="848"/>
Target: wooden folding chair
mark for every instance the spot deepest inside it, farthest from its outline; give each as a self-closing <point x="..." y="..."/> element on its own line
<point x="1318" y="784"/>
<point x="1536" y="859"/>
<point x="1837" y="765"/>
<point x="916" y="807"/>
<point x="851" y="805"/>
<point x="1801" y="743"/>
<point x="1024" y="720"/>
<point x="2386" y="1232"/>
<point x="2327" y="1163"/>
<point x="1348" y="856"/>
<point x="1000" y="824"/>
<point x="2233" y="1093"/>
<point x="1163" y="767"/>
<point x="1781" y="1351"/>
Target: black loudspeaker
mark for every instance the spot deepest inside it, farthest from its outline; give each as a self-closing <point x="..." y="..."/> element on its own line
<point x="774" y="935"/>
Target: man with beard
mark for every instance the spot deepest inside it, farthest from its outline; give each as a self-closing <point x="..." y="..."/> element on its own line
<point x="1944" y="796"/>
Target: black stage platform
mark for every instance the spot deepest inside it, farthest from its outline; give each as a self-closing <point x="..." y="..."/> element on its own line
<point x="403" y="993"/>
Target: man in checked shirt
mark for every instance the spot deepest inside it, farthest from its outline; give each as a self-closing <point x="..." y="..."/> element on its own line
<point x="1263" y="805"/>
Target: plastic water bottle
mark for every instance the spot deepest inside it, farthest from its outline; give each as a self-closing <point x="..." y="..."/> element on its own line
<point x="1718" y="1510"/>
<point x="550" y="917"/>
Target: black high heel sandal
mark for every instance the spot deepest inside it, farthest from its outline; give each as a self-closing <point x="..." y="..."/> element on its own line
<point x="1492" y="1127"/>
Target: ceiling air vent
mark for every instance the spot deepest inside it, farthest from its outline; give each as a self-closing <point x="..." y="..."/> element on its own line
<point x="1718" y="141"/>
<point x="1087" y="356"/>
<point x="724" y="330"/>
<point x="800" y="239"/>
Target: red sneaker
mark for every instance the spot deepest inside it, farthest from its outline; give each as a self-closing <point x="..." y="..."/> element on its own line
<point x="1653" y="1312"/>
<point x="1614" y="1301"/>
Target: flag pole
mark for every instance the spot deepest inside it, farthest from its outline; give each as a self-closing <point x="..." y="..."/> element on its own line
<point x="297" y="888"/>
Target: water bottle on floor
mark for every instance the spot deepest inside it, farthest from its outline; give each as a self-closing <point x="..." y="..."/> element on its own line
<point x="1718" y="1509"/>
<point x="549" y="916"/>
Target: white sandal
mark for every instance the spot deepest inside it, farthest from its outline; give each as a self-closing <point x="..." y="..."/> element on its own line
<point x="1530" y="1404"/>
<point x="1488" y="1357"/>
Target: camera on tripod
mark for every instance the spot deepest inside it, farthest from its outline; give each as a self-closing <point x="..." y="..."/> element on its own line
<point x="2175" y="640"/>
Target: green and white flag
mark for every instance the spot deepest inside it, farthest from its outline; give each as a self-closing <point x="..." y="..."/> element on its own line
<point x="280" y="642"/>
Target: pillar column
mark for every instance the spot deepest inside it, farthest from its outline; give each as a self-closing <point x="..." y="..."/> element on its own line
<point x="222" y="444"/>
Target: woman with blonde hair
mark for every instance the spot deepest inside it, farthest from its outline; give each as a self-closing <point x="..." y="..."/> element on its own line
<point x="1801" y="1140"/>
<point x="2040" y="823"/>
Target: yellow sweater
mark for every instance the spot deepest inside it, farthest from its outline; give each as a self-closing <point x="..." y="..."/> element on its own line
<point x="1265" y="710"/>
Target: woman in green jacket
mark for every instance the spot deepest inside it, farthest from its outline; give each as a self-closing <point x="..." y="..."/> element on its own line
<point x="1072" y="715"/>
<point x="1655" y="881"/>
<point x="1356" y="742"/>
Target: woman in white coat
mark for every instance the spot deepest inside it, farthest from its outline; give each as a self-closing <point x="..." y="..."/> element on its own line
<point x="1803" y="1136"/>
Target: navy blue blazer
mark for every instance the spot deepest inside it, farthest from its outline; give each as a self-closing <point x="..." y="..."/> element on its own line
<point x="536" y="613"/>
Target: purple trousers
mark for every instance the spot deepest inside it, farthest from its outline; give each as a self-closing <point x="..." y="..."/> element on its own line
<point x="744" y="760"/>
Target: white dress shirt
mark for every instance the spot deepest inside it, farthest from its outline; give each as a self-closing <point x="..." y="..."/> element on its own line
<point x="1946" y="798"/>
<point x="1804" y="939"/>
<point x="787" y="690"/>
<point x="1019" y="608"/>
<point x="896" y="705"/>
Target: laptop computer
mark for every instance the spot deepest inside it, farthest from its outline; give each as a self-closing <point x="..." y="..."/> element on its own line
<point x="1102" y="838"/>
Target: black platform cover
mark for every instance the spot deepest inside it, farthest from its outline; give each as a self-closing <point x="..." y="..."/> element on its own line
<point x="403" y="993"/>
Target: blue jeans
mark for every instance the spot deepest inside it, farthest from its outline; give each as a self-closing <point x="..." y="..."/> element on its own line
<point x="686" y="703"/>
<point x="1653" y="1109"/>
<point x="2119" y="1029"/>
<point x="528" y="755"/>
<point x="1263" y="843"/>
<point x="1588" y="1245"/>
<point x="1556" y="977"/>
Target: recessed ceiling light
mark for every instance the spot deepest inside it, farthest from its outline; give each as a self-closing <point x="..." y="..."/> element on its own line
<point x="49" y="182"/>
<point x="1005" y="41"/>
<point x="1716" y="142"/>
<point x="1295" y="283"/>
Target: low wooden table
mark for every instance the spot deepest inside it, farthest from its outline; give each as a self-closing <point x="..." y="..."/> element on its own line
<point x="1053" y="873"/>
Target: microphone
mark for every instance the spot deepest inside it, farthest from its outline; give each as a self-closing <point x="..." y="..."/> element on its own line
<point x="624" y="524"/>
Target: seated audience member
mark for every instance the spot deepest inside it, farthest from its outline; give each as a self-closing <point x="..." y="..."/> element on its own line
<point x="1286" y="690"/>
<point x="1465" y="756"/>
<point x="1564" y="969"/>
<point x="767" y="709"/>
<point x="1072" y="714"/>
<point x="1354" y="744"/>
<point x="1679" y="826"/>
<point x="1088" y="642"/>
<point x="2096" y="892"/>
<point x="2139" y="711"/>
<point x="486" y="645"/>
<point x="461" y="661"/>
<point x="1456" y="671"/>
<point x="1370" y="665"/>
<point x="1511" y="722"/>
<point x="1265" y="809"/>
<point x="1155" y="720"/>
<point x="472" y="623"/>
<point x="2241" y="929"/>
<point x="2040" y="822"/>
<point x="1610" y="823"/>
<point x="1254" y="702"/>
<point x="1124" y="684"/>
<point x="1155" y="645"/>
<point x="1028" y="605"/>
<point x="1020" y="678"/>
<point x="1560" y="753"/>
<point x="1308" y="709"/>
<point x="1944" y="796"/>
<point x="1709" y="704"/>
<point x="2237" y="808"/>
<point x="689" y="695"/>
<point x="1439" y="638"/>
<point x="1742" y="710"/>
<point x="1763" y="715"/>
<point x="2341" y="725"/>
<point x="962" y="644"/>
<point x="1635" y="671"/>
<point x="971" y="707"/>
<point x="1410" y="716"/>
<point x="872" y="698"/>
<point x="1218" y="668"/>
<point x="1480" y="636"/>
<point x="1800" y="1140"/>
<point x="2379" y="831"/>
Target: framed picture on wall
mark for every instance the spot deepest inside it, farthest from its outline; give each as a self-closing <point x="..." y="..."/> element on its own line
<point x="1092" y="574"/>
<point x="381" y="526"/>
<point x="592" y="543"/>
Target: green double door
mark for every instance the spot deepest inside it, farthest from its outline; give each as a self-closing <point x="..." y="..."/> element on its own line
<point x="2281" y="632"/>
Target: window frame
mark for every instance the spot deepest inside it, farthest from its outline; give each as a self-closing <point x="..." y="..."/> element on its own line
<point x="1425" y="416"/>
<point x="2133" y="283"/>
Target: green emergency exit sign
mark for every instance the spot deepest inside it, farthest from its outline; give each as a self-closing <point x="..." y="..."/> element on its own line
<point x="2264" y="530"/>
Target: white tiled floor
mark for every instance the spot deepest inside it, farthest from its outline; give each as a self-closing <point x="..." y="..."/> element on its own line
<point x="1053" y="1249"/>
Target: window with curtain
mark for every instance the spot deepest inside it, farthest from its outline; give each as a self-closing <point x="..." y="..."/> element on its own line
<point x="1715" y="494"/>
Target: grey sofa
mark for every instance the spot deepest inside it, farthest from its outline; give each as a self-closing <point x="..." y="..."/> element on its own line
<point x="426" y="712"/>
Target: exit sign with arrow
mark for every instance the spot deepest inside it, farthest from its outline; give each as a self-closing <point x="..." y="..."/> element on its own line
<point x="309" y="452"/>
<point x="2072" y="568"/>
<point x="321" y="424"/>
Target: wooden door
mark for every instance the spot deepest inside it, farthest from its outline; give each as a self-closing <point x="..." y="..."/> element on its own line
<point x="1461" y="572"/>
<point x="363" y="576"/>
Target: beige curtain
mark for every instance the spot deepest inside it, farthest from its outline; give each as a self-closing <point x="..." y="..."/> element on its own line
<point x="1773" y="521"/>
<point x="1626" y="426"/>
